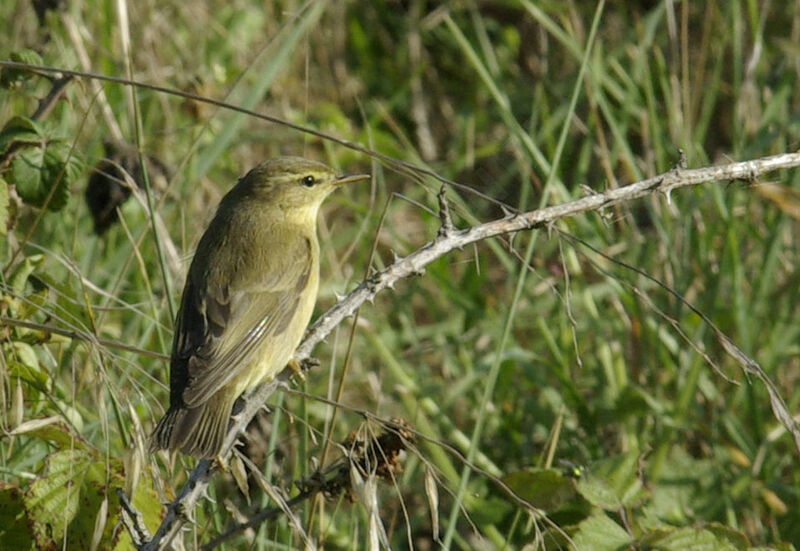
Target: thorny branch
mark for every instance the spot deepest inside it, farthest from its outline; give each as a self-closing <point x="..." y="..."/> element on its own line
<point x="446" y="241"/>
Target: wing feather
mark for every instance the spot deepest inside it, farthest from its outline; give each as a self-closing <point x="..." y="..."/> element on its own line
<point x="217" y="330"/>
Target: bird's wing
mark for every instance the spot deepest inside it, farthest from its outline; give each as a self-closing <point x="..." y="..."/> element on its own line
<point x="217" y="330"/>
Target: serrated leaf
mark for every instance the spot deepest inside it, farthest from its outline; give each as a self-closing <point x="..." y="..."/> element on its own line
<point x="684" y="487"/>
<point x="21" y="131"/>
<point x="680" y="539"/>
<point x="27" y="173"/>
<point x="48" y="505"/>
<point x="11" y="76"/>
<point x="26" y="55"/>
<point x="74" y="499"/>
<point x="546" y="489"/>
<point x="726" y="533"/>
<point x="42" y="175"/>
<point x="52" y="501"/>
<point x="14" y="533"/>
<point x="62" y="157"/>
<point x="613" y="482"/>
<point x="93" y="493"/>
<point x="600" y="533"/>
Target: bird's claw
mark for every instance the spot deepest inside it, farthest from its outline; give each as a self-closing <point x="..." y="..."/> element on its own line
<point x="300" y="367"/>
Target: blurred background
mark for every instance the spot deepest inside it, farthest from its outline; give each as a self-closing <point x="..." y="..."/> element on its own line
<point x="547" y="365"/>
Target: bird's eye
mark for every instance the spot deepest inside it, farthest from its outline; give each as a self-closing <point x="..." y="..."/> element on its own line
<point x="308" y="181"/>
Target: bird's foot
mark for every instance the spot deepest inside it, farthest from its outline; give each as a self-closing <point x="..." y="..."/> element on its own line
<point x="221" y="463"/>
<point x="300" y="367"/>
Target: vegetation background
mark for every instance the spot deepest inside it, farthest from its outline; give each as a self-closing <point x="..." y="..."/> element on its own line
<point x="572" y="379"/>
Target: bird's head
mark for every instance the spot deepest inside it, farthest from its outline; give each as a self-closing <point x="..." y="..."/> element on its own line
<point x="295" y="185"/>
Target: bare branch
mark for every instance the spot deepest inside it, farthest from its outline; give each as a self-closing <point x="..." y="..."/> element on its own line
<point x="444" y="214"/>
<point x="133" y="521"/>
<point x="415" y="263"/>
<point x="177" y="510"/>
<point x="47" y="103"/>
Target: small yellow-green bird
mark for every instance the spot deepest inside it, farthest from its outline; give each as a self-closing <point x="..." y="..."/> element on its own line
<point x="248" y="297"/>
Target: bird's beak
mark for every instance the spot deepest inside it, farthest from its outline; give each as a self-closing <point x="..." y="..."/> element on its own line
<point x="347" y="178"/>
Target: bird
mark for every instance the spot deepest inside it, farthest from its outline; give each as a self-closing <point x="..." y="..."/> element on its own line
<point x="248" y="297"/>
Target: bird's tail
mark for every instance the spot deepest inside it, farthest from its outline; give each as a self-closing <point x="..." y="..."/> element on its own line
<point x="197" y="431"/>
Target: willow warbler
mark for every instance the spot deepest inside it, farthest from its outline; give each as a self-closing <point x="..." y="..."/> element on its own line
<point x="248" y="297"/>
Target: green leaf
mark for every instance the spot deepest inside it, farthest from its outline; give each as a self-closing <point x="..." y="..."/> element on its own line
<point x="20" y="131"/>
<point x="546" y="489"/>
<point x="23" y="271"/>
<point x="19" y="282"/>
<point x="34" y="303"/>
<point x="14" y="533"/>
<point x="613" y="482"/>
<point x="55" y="431"/>
<point x="77" y="496"/>
<point x="30" y="57"/>
<point x="726" y="533"/>
<point x="600" y="533"/>
<point x="10" y="77"/>
<point x="53" y="500"/>
<point x="36" y="377"/>
<point x="47" y="171"/>
<point x="696" y="539"/>
<point x="63" y="505"/>
<point x="22" y="362"/>
<point x="25" y="354"/>
<point x="27" y="173"/>
<point x="685" y="488"/>
<point x="63" y="293"/>
<point x="146" y="500"/>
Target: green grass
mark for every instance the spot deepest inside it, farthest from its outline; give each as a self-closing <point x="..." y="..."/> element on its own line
<point x="505" y="367"/>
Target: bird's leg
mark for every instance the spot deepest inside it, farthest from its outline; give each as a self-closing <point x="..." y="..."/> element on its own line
<point x="297" y="368"/>
<point x="221" y="463"/>
<point x="300" y="367"/>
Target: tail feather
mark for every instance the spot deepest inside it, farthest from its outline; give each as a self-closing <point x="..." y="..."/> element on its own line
<point x="197" y="431"/>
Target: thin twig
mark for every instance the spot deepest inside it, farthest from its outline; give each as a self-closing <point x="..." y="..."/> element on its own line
<point x="444" y="214"/>
<point x="391" y="162"/>
<point x="181" y="508"/>
<point x="81" y="336"/>
<point x="133" y="521"/>
<point x="47" y="103"/>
